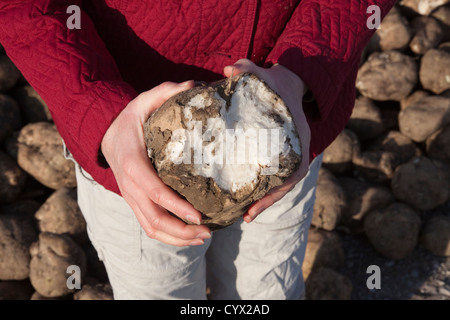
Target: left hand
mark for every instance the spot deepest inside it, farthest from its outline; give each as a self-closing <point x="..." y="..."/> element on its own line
<point x="291" y="89"/>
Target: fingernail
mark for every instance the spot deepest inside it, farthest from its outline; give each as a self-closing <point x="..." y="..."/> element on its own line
<point x="257" y="212"/>
<point x="193" y="219"/>
<point x="254" y="215"/>
<point x="186" y="83"/>
<point x="203" y="235"/>
<point x="196" y="242"/>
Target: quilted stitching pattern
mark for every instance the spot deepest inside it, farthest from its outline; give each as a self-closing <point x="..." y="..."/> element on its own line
<point x="88" y="76"/>
<point x="322" y="43"/>
<point x="72" y="72"/>
<point x="173" y="39"/>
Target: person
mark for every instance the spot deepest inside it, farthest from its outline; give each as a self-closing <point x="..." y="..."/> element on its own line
<point x="102" y="80"/>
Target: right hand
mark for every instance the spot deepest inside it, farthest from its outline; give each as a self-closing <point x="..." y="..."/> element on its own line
<point x="125" y="151"/>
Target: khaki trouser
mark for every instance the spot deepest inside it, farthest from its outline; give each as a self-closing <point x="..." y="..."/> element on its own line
<point x="257" y="260"/>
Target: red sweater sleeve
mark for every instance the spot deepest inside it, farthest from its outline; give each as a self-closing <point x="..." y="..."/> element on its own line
<point x="73" y="72"/>
<point x="322" y="43"/>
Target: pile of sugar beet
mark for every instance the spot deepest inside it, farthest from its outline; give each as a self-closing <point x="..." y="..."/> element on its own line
<point x="383" y="177"/>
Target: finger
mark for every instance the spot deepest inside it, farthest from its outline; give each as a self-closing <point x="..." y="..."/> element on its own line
<point x="245" y="65"/>
<point x="159" y="235"/>
<point x="262" y="204"/>
<point x="139" y="169"/>
<point x="240" y="66"/>
<point x="279" y="192"/>
<point x="258" y="207"/>
<point x="276" y="194"/>
<point x="160" y="225"/>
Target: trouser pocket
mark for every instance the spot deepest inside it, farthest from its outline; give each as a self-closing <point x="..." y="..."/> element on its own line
<point x="111" y="224"/>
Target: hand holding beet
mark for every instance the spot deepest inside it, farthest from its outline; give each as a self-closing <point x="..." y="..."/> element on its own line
<point x="124" y="149"/>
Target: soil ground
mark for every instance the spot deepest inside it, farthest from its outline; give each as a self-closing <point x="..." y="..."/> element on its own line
<point x="420" y="276"/>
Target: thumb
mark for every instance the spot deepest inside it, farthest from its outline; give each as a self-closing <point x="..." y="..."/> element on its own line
<point x="245" y="65"/>
<point x="240" y="66"/>
<point x="155" y="97"/>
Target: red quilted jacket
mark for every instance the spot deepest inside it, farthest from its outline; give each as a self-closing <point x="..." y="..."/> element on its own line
<point x="88" y="75"/>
